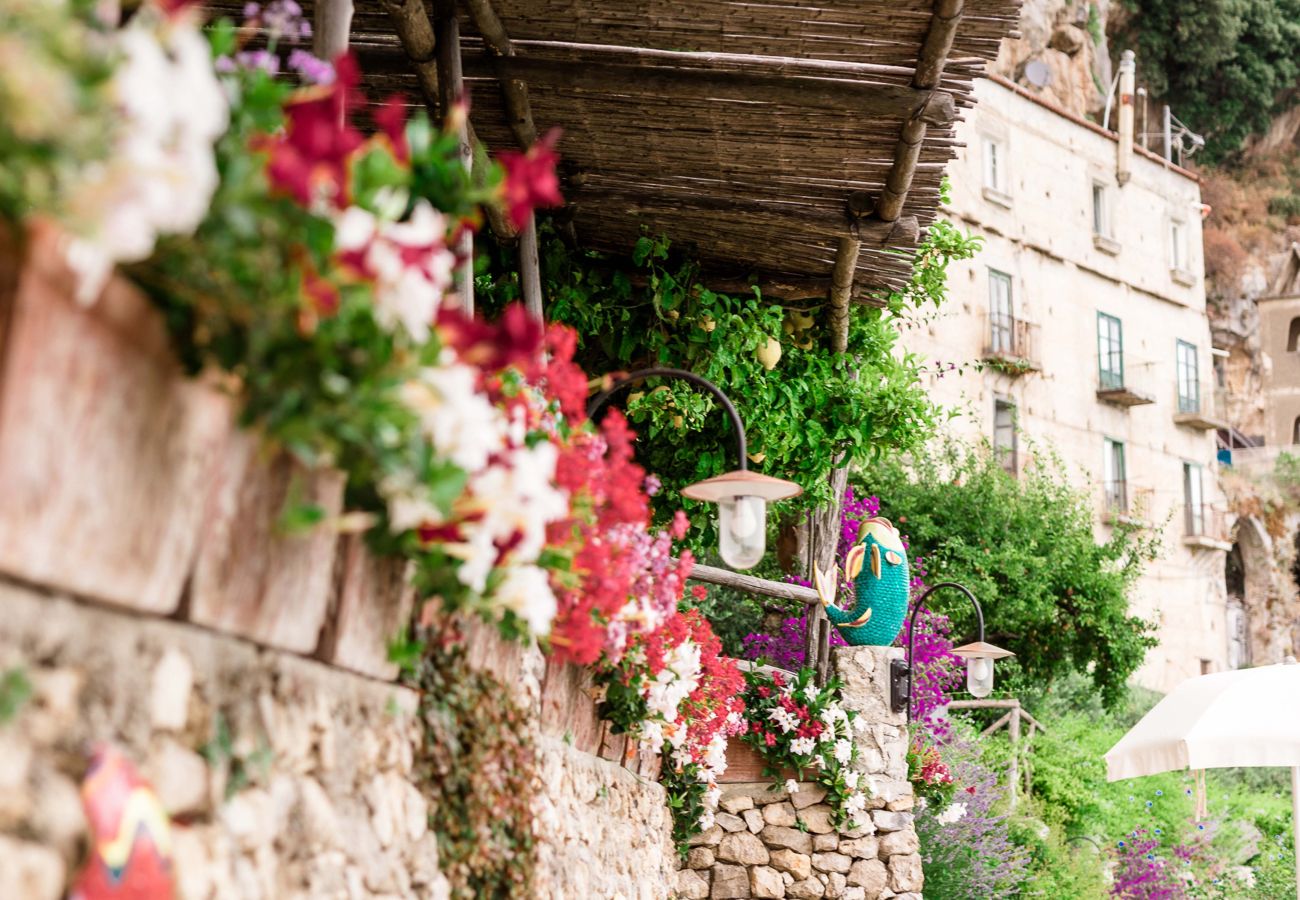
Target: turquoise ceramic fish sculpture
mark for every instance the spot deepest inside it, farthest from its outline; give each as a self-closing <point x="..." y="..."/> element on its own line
<point x="877" y="567"/>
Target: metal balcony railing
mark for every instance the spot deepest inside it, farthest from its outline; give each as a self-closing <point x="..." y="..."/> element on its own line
<point x="1123" y="501"/>
<point x="1011" y="343"/>
<point x="1198" y="406"/>
<point x="1205" y="523"/>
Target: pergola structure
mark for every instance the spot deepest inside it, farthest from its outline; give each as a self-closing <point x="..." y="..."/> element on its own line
<point x="801" y="142"/>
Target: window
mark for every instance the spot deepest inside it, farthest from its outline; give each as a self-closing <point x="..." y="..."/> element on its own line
<point x="1001" y="333"/>
<point x="1178" y="246"/>
<point x="1295" y="431"/>
<point x="1193" y="499"/>
<point x="1189" y="384"/>
<point x="995" y="165"/>
<point x="1110" y="352"/>
<point x="1207" y="666"/>
<point x="1004" y="433"/>
<point x="1100" y="212"/>
<point x="1293" y="335"/>
<point x="1113" y="477"/>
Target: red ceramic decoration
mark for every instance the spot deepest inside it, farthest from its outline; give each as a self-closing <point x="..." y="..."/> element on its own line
<point x="130" y="834"/>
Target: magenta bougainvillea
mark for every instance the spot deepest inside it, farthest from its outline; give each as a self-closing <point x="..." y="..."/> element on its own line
<point x="938" y="671"/>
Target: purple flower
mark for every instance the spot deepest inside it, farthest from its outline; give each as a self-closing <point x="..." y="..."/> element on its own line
<point x="258" y="59"/>
<point x="312" y="69"/>
<point x="251" y="10"/>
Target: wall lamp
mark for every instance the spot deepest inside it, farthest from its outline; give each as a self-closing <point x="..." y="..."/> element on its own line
<point x="979" y="657"/>
<point x="742" y="496"/>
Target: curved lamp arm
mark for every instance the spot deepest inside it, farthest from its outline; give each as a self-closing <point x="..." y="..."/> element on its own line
<point x="911" y="630"/>
<point x="595" y="403"/>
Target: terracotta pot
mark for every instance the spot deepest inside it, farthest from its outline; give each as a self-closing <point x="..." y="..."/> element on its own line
<point x="745" y="764"/>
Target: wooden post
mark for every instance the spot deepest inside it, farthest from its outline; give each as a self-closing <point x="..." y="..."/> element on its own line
<point x="1013" y="771"/>
<point x="530" y="273"/>
<point x="331" y="28"/>
<point x="451" y="89"/>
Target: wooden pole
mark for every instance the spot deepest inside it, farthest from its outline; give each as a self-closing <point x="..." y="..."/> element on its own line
<point x="530" y="270"/>
<point x="331" y="28"/>
<point x="1013" y="771"/>
<point x="749" y="584"/>
<point x="451" y="91"/>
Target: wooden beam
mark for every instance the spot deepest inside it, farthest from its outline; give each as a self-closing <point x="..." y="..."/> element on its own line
<point x="899" y="182"/>
<point x="929" y="72"/>
<point x="837" y="313"/>
<point x="868" y="99"/>
<point x="752" y="585"/>
<point x="411" y="22"/>
<point x="513" y="89"/>
<point x="331" y="28"/>
<point x="1006" y="717"/>
<point x="938" y="43"/>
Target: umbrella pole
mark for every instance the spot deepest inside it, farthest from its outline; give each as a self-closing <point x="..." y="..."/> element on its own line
<point x="1295" y="824"/>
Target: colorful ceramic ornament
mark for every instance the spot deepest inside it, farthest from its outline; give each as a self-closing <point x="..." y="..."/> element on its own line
<point x="130" y="834"/>
<point x="877" y="566"/>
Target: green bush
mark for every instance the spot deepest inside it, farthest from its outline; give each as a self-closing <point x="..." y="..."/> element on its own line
<point x="1284" y="205"/>
<point x="1025" y="547"/>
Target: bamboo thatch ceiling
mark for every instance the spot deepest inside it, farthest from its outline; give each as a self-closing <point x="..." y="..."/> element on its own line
<point x="737" y="127"/>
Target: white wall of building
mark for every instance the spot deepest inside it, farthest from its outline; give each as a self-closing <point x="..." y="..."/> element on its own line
<point x="1036" y="219"/>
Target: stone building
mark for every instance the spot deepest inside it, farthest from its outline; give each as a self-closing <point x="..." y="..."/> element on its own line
<point x="1081" y="328"/>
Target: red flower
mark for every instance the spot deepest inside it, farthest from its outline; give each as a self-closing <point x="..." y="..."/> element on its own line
<point x="769" y="739"/>
<point x="391" y="119"/>
<point x="322" y="294"/>
<point x="764" y="692"/>
<point x="515" y="340"/>
<point x="530" y="179"/>
<point x="310" y="159"/>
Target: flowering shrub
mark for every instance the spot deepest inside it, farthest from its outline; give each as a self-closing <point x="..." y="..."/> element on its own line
<point x="967" y="847"/>
<point x="801" y="727"/>
<point x="673" y="691"/>
<point x="110" y="131"/>
<point x="930" y="776"/>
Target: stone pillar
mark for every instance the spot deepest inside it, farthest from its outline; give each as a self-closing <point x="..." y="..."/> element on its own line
<point x="775" y="844"/>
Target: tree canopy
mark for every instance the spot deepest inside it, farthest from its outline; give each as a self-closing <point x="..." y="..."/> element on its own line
<point x="1225" y="66"/>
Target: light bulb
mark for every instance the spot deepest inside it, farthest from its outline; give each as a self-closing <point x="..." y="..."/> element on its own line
<point x="742" y="527"/>
<point x="979" y="676"/>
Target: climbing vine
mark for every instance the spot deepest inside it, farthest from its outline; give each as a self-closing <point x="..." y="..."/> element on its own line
<point x="478" y="768"/>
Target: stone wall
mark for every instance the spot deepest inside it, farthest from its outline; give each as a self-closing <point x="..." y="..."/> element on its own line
<point x="286" y="778"/>
<point x="776" y="844"/>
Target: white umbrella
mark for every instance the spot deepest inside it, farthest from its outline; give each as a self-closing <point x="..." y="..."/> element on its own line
<point x="1247" y="717"/>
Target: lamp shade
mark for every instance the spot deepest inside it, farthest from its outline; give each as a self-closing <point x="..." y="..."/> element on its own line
<point x="741" y="483"/>
<point x="981" y="650"/>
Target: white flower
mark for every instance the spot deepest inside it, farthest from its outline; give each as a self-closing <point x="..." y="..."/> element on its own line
<point x="409" y="504"/>
<point x="783" y="718"/>
<point x="843" y="751"/>
<point x="828" y="734"/>
<point x="706" y="821"/>
<point x="161" y="173"/>
<point x="712" y="796"/>
<point x="526" y="591"/>
<point x="954" y="813"/>
<point x="851" y="779"/>
<point x="455" y="416"/>
<point x="855" y="803"/>
<point x="678" y="679"/>
<point x="859" y="724"/>
<point x="802" y="746"/>
<point x="791" y="786"/>
<point x="408" y="261"/>
<point x="652" y="735"/>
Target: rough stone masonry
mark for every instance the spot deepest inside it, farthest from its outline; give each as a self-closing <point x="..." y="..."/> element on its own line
<point x="775" y="844"/>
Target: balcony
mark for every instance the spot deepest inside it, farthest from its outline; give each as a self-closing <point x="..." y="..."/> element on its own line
<point x="1011" y="344"/>
<point x="1124" y="503"/>
<point x="1206" y="527"/>
<point x="1196" y="409"/>
<point x="1113" y="389"/>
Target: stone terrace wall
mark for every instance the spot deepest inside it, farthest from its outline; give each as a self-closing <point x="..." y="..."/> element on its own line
<point x="774" y="844"/>
<point x="311" y="797"/>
